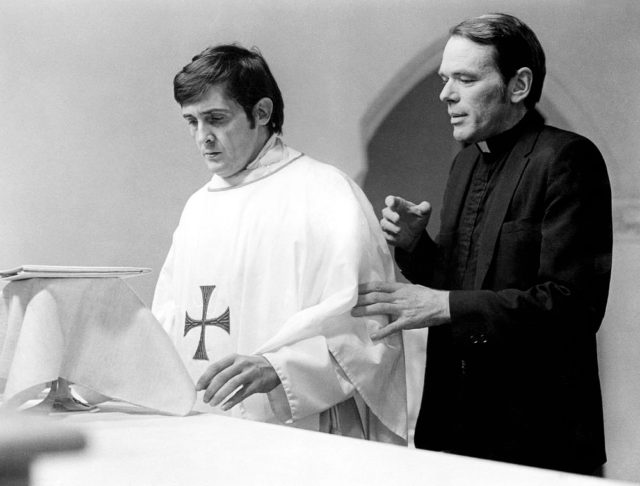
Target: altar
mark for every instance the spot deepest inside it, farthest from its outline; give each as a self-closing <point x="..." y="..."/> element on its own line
<point x="127" y="445"/>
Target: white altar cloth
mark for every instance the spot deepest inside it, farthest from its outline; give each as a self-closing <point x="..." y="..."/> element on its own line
<point x="145" y="449"/>
<point x="94" y="332"/>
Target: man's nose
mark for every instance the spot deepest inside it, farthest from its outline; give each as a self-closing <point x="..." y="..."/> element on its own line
<point x="204" y="134"/>
<point x="448" y="92"/>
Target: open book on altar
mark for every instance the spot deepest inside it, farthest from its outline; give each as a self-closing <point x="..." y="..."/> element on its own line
<point x="54" y="271"/>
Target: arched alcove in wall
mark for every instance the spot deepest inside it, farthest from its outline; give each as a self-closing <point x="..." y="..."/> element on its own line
<point x="410" y="152"/>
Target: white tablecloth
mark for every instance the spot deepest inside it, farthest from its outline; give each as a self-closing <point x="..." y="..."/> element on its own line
<point x="94" y="332"/>
<point x="129" y="447"/>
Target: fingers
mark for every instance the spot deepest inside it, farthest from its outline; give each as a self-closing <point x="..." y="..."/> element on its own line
<point x="423" y="209"/>
<point x="375" y="298"/>
<point x="222" y="384"/>
<point x="374" y="310"/>
<point x="388" y="330"/>
<point x="390" y="231"/>
<point x="389" y="227"/>
<point x="213" y="370"/>
<point x="231" y="390"/>
<point x="227" y="388"/>
<point x="395" y="203"/>
<point x="390" y="201"/>
<point x="389" y="222"/>
<point x="232" y="379"/>
<point x="387" y="287"/>
<point x="389" y="238"/>
<point x="237" y="394"/>
<point x="234" y="398"/>
<point x="390" y="213"/>
<point x="384" y="332"/>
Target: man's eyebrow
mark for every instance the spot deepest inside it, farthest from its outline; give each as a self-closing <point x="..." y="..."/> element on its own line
<point x="210" y="111"/>
<point x="215" y="110"/>
<point x="463" y="72"/>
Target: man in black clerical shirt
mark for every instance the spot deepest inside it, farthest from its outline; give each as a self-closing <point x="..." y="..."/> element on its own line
<point x="515" y="285"/>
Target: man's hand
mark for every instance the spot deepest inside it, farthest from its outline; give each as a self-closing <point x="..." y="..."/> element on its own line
<point x="408" y="306"/>
<point x="403" y="221"/>
<point x="251" y="374"/>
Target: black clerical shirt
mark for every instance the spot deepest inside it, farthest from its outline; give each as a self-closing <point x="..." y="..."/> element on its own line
<point x="480" y="192"/>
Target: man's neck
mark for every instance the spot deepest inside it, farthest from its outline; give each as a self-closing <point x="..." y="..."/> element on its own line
<point x="263" y="137"/>
<point x="503" y="140"/>
<point x="516" y="117"/>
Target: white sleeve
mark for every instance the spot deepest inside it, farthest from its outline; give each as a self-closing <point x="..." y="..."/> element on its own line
<point x="312" y="381"/>
<point x="346" y="248"/>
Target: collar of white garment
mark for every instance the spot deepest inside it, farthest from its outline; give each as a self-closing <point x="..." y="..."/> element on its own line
<point x="274" y="156"/>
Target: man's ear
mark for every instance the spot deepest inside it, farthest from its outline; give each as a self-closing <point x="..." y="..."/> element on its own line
<point x="520" y="85"/>
<point x="262" y="111"/>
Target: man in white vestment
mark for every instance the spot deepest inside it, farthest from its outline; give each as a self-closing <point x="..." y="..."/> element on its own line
<point x="263" y="271"/>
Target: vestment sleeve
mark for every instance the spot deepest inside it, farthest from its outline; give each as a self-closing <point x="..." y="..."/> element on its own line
<point x="323" y="341"/>
<point x="573" y="270"/>
<point x="311" y="380"/>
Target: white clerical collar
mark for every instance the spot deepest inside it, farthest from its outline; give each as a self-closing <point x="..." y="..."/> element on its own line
<point x="484" y="147"/>
<point x="273" y="156"/>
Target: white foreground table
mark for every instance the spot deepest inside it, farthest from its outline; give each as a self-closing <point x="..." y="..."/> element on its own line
<point x="138" y="448"/>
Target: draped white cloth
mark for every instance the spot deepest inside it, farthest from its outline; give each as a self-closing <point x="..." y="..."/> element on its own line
<point x="277" y="253"/>
<point x="94" y="332"/>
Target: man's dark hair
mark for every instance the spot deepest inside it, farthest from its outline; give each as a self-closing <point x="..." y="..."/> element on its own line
<point x="244" y="74"/>
<point x="515" y="44"/>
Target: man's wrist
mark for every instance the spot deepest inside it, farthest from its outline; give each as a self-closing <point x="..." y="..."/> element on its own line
<point x="446" y="307"/>
<point x="272" y="379"/>
<point x="409" y="248"/>
<point x="443" y="315"/>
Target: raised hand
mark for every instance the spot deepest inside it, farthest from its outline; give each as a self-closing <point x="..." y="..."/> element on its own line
<point x="403" y="221"/>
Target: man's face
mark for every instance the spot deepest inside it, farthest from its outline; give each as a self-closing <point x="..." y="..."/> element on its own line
<point x="223" y="132"/>
<point x="474" y="91"/>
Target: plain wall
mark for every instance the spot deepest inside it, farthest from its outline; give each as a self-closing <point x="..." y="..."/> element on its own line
<point x="96" y="162"/>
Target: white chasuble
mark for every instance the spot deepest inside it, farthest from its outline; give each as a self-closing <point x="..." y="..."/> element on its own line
<point x="269" y="263"/>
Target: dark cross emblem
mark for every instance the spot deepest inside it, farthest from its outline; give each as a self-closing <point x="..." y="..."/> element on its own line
<point x="222" y="321"/>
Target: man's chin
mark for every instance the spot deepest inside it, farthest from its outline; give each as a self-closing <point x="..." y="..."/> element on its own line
<point x="222" y="171"/>
<point x="216" y="169"/>
<point x="461" y="137"/>
<point x="466" y="137"/>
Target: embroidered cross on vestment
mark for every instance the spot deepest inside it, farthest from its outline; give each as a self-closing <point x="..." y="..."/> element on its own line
<point x="222" y="321"/>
